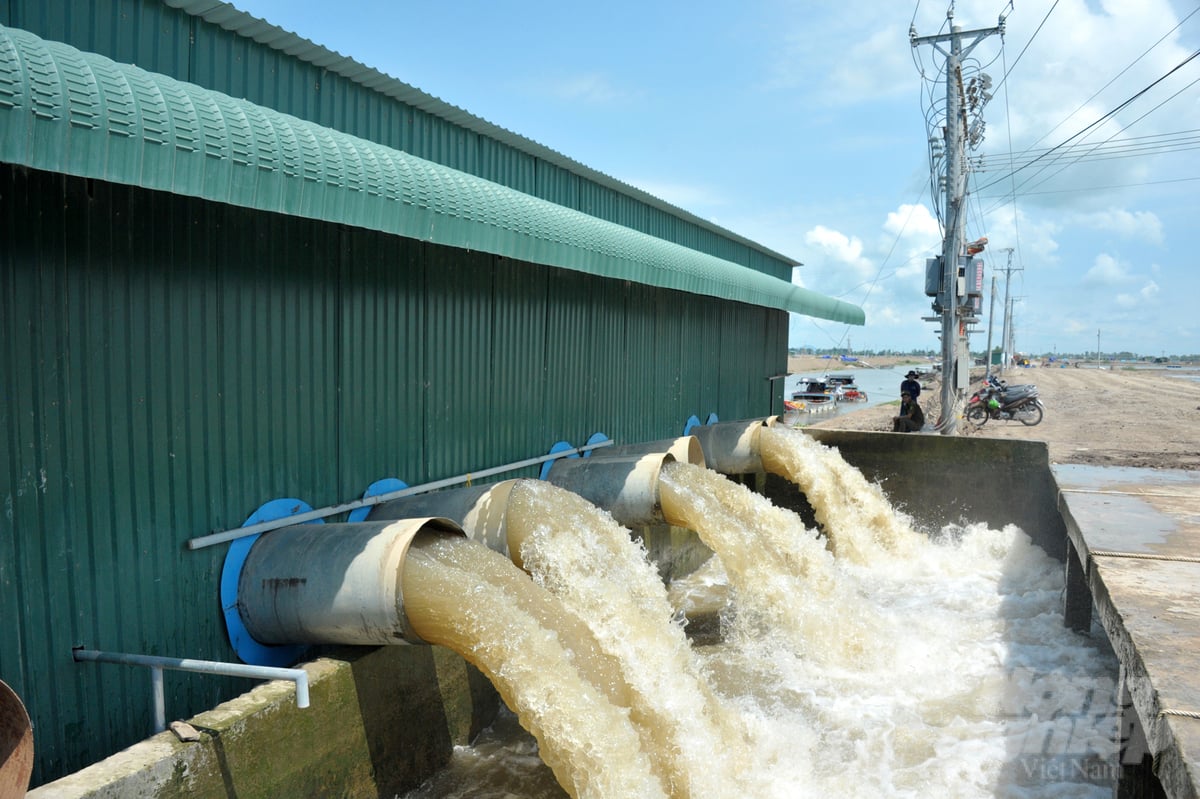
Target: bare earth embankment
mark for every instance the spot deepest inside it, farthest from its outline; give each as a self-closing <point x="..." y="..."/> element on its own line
<point x="1147" y="418"/>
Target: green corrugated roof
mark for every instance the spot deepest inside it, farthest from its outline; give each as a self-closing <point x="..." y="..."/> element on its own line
<point x="248" y="26"/>
<point x="63" y="110"/>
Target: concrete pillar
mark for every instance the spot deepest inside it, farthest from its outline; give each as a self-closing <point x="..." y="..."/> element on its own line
<point x="1136" y="778"/>
<point x="1077" y="599"/>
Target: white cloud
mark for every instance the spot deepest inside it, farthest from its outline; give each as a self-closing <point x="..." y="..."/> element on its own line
<point x="1034" y="239"/>
<point x="841" y="248"/>
<point x="1107" y="271"/>
<point x="913" y="221"/>
<point x="1144" y="225"/>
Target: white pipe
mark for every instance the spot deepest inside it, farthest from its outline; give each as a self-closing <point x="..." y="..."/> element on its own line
<point x="156" y="664"/>
<point x="332" y="510"/>
<point x="159" y="698"/>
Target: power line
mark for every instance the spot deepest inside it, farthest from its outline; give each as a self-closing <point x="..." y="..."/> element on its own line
<point x="1026" y="47"/>
<point x="1114" y="79"/>
<point x="1152" y="144"/>
<point x="1094" y="188"/>
<point x="1110" y="138"/>
<point x="1103" y="118"/>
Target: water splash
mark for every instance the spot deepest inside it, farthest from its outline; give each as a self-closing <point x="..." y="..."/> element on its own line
<point x="786" y="581"/>
<point x="857" y="517"/>
<point x="945" y="672"/>
<point x="594" y="566"/>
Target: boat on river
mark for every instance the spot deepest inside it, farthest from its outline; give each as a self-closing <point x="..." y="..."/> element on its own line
<point x="845" y="389"/>
<point x="812" y="391"/>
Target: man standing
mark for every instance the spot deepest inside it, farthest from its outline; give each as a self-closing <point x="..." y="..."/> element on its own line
<point x="911" y="418"/>
<point x="911" y="385"/>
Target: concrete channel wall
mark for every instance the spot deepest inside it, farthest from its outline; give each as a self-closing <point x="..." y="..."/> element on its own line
<point x="380" y="721"/>
<point x="942" y="479"/>
<point x="383" y="720"/>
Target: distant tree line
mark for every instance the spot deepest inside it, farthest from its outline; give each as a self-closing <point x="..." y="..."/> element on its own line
<point x="1123" y="355"/>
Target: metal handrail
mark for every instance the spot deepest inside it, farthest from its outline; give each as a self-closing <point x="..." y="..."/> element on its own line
<point x="156" y="665"/>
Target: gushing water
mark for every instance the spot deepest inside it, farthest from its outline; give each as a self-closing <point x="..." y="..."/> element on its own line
<point x="466" y="597"/>
<point x="593" y="565"/>
<point x="858" y="519"/>
<point x="906" y="666"/>
<point x="786" y="581"/>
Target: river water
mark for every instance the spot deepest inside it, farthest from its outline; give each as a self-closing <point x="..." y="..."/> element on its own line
<point x="881" y="385"/>
<point x="873" y="660"/>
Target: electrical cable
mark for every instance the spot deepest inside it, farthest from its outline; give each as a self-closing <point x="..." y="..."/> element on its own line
<point x="1103" y="118"/>
<point x="1114" y="79"/>
<point x="1110" y="138"/>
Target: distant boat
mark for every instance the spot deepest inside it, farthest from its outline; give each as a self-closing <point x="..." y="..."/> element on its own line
<point x="813" y="391"/>
<point x="848" y="359"/>
<point x="844" y="388"/>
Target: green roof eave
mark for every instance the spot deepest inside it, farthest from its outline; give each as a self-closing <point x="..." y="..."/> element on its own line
<point x="63" y="110"/>
<point x="265" y="33"/>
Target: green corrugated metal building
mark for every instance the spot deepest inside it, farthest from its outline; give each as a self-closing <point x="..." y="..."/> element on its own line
<point x="236" y="266"/>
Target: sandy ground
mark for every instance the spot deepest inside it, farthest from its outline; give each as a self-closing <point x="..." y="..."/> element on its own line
<point x="1118" y="417"/>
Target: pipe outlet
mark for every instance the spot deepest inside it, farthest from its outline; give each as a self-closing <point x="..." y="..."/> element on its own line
<point x="626" y="486"/>
<point x="732" y="447"/>
<point x="332" y="583"/>
<point x="479" y="510"/>
<point x="685" y="449"/>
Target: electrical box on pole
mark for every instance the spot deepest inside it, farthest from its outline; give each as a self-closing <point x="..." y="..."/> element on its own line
<point x="970" y="277"/>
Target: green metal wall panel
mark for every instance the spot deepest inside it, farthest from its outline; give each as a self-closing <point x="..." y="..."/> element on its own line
<point x="513" y="404"/>
<point x="383" y="319"/>
<point x="458" y="299"/>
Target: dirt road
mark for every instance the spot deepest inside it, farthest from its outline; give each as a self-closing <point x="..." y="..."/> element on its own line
<point x="1119" y="417"/>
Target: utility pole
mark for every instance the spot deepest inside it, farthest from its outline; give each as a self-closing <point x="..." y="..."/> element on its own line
<point x="987" y="369"/>
<point x="956" y="355"/>
<point x="1006" y="336"/>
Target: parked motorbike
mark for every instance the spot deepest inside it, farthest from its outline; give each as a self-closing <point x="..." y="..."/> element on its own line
<point x="996" y="400"/>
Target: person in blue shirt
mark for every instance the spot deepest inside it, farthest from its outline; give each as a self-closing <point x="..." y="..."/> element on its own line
<point x="911" y="385"/>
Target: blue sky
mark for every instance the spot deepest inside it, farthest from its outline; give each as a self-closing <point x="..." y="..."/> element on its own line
<point x="802" y="125"/>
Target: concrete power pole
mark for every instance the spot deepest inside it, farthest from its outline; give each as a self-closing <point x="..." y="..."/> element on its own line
<point x="956" y="355"/>
<point x="1006" y="336"/>
<point x="987" y="369"/>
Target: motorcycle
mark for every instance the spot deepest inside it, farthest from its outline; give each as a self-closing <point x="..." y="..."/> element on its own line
<point x="996" y="400"/>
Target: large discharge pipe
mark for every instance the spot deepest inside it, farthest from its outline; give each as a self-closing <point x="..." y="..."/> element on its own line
<point x="623" y="480"/>
<point x="732" y="447"/>
<point x="332" y="583"/>
<point x="341" y="583"/>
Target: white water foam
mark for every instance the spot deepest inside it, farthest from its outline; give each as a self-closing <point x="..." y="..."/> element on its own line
<point x="922" y="668"/>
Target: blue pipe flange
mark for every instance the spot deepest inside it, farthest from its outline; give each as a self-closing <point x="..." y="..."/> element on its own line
<point x="249" y="650"/>
<point x="561" y="446"/>
<point x="595" y="438"/>
<point x="693" y="421"/>
<point x="385" y="486"/>
<point x="712" y="419"/>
